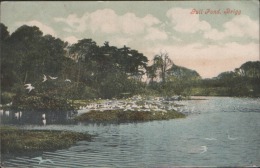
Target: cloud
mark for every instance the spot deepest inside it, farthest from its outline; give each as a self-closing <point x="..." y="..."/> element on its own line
<point x="214" y="34"/>
<point x="184" y="22"/>
<point x="104" y="21"/>
<point x="44" y="28"/>
<point x="71" y="39"/>
<point x="130" y="24"/>
<point x="150" y="20"/>
<point x="240" y="26"/>
<point x="108" y="22"/>
<point x="176" y="38"/>
<point x="155" y="34"/>
<point x="75" y="23"/>
<point x="208" y="60"/>
<point x="121" y="41"/>
<point x="124" y="29"/>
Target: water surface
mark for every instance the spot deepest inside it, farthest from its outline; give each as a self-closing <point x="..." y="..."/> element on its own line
<point x="228" y="127"/>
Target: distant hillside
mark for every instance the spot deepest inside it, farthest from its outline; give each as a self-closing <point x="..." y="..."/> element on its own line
<point x="243" y="81"/>
<point x="183" y="73"/>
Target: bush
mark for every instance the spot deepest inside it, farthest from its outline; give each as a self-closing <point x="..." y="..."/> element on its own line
<point x="6" y="97"/>
<point x="127" y="116"/>
<point x="40" y="102"/>
<point x="14" y="140"/>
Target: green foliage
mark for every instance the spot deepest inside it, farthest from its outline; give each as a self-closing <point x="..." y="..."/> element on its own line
<point x="49" y="95"/>
<point x="243" y="81"/>
<point x="249" y="69"/>
<point x="27" y="55"/>
<point x="6" y="97"/>
<point x="127" y="116"/>
<point x="178" y="72"/>
<point x="179" y="81"/>
<point x="161" y="64"/>
<point x="40" y="102"/>
<point x="118" y="85"/>
<point x="100" y="72"/>
<point x="20" y="141"/>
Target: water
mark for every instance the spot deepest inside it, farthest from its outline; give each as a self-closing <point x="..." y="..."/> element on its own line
<point x="169" y="143"/>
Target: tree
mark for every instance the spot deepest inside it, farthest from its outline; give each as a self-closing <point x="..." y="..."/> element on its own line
<point x="53" y="55"/>
<point x="7" y="76"/>
<point x="162" y="62"/>
<point x="151" y="72"/>
<point x="180" y="80"/>
<point x="251" y="69"/>
<point x="35" y="54"/>
<point x="26" y="51"/>
<point x="107" y="62"/>
<point x="137" y="63"/>
<point x="178" y="72"/>
<point x="131" y="62"/>
<point x="26" y="55"/>
<point x="84" y="53"/>
<point x="4" y="34"/>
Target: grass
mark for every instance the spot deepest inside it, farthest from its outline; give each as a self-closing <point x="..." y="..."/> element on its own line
<point x="15" y="140"/>
<point x="127" y="116"/>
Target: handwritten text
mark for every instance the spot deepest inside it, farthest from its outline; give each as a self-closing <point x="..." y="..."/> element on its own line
<point x="226" y="11"/>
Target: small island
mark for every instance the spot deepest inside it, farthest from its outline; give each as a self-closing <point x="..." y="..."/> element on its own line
<point x="19" y="141"/>
<point x="120" y="116"/>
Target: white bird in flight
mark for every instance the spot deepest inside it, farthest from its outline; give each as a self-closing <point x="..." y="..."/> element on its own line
<point x="230" y="138"/>
<point x="67" y="80"/>
<point x="29" y="87"/>
<point x="210" y="139"/>
<point x="44" y="78"/>
<point x="204" y="149"/>
<point x="53" y="77"/>
<point x="43" y="160"/>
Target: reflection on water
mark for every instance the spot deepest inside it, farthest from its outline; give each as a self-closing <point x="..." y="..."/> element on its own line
<point x="218" y="132"/>
<point x="36" y="117"/>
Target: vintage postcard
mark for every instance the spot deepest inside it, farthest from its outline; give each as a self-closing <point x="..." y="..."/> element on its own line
<point x="130" y="84"/>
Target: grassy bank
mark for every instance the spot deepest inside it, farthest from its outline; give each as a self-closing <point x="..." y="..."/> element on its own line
<point x="15" y="140"/>
<point x="244" y="91"/>
<point x="127" y="116"/>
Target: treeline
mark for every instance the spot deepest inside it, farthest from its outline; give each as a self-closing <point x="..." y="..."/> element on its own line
<point x="242" y="82"/>
<point x="86" y="70"/>
<point x="93" y="71"/>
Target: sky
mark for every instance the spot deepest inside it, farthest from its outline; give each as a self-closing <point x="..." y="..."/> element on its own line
<point x="207" y="36"/>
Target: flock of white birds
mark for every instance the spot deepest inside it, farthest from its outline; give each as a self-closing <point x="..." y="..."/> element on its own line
<point x="131" y="104"/>
<point x="30" y="87"/>
<point x="135" y="103"/>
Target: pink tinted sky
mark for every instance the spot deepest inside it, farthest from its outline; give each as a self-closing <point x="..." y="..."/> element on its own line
<point x="208" y="43"/>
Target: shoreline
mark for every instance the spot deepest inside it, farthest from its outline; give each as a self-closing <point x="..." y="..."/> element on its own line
<point x="122" y="116"/>
<point x="16" y="141"/>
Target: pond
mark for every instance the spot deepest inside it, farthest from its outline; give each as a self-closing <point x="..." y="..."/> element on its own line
<point x="219" y="131"/>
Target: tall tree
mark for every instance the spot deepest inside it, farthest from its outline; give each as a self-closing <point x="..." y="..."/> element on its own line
<point x="26" y="51"/>
<point x="151" y="72"/>
<point x="7" y="76"/>
<point x="108" y="62"/>
<point x="131" y="61"/>
<point x="84" y="53"/>
<point x="162" y="62"/>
